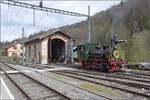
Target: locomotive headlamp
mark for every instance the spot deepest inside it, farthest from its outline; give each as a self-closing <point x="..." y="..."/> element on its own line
<point x="116" y="54"/>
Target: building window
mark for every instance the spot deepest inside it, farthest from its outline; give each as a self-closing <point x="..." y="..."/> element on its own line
<point x="21" y="48"/>
<point x="14" y="54"/>
<point x="15" y="48"/>
<point x="21" y="54"/>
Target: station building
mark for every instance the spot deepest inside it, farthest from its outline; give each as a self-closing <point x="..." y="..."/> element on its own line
<point x="14" y="49"/>
<point x="49" y="47"/>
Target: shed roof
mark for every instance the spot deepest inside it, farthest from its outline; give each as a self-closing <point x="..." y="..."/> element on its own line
<point x="13" y="44"/>
<point x="46" y="34"/>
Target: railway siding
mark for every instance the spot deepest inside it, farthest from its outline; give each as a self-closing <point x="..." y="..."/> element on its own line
<point x="108" y="84"/>
<point x="138" y="83"/>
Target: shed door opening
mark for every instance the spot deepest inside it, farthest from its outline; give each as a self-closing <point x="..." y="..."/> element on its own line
<point x="58" y="50"/>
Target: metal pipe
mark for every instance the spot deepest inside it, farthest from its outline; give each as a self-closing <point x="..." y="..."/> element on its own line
<point x="89" y="25"/>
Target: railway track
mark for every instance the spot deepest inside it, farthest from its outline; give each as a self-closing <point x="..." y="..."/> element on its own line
<point x="138" y="73"/>
<point x="92" y="80"/>
<point x="30" y="65"/>
<point x="124" y="82"/>
<point x="119" y="75"/>
<point x="5" y="68"/>
<point x="33" y="89"/>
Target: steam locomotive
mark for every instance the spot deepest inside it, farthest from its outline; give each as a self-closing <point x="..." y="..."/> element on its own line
<point x="105" y="58"/>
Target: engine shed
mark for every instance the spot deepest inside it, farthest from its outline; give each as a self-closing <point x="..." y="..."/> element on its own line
<point x="52" y="46"/>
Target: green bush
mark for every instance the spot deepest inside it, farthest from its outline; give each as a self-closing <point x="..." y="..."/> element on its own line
<point x="15" y="58"/>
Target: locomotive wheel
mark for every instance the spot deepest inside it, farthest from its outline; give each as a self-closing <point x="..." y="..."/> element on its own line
<point x="104" y="67"/>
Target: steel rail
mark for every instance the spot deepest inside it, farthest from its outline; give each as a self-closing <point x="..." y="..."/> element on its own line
<point x="29" y="65"/>
<point x="24" y="93"/>
<point x="116" y="81"/>
<point x="114" y="76"/>
<point x="141" y="76"/>
<point x="129" y="91"/>
<point x="66" y="98"/>
<point x="7" y="67"/>
<point x="1" y="71"/>
<point x="139" y="80"/>
<point x="31" y="6"/>
<point x="144" y="74"/>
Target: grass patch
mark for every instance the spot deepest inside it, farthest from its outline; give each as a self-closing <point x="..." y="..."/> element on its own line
<point x="99" y="89"/>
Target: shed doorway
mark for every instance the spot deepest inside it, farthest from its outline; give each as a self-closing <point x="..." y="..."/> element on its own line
<point x="57" y="50"/>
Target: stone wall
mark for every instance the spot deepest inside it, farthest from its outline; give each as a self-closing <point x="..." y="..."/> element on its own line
<point x="33" y="54"/>
<point x="44" y="51"/>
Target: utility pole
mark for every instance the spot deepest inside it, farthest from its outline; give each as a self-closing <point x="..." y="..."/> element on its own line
<point x="33" y="17"/>
<point x="23" y="45"/>
<point x="89" y="25"/>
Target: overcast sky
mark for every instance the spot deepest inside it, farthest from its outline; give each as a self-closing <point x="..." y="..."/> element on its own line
<point x="14" y="18"/>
